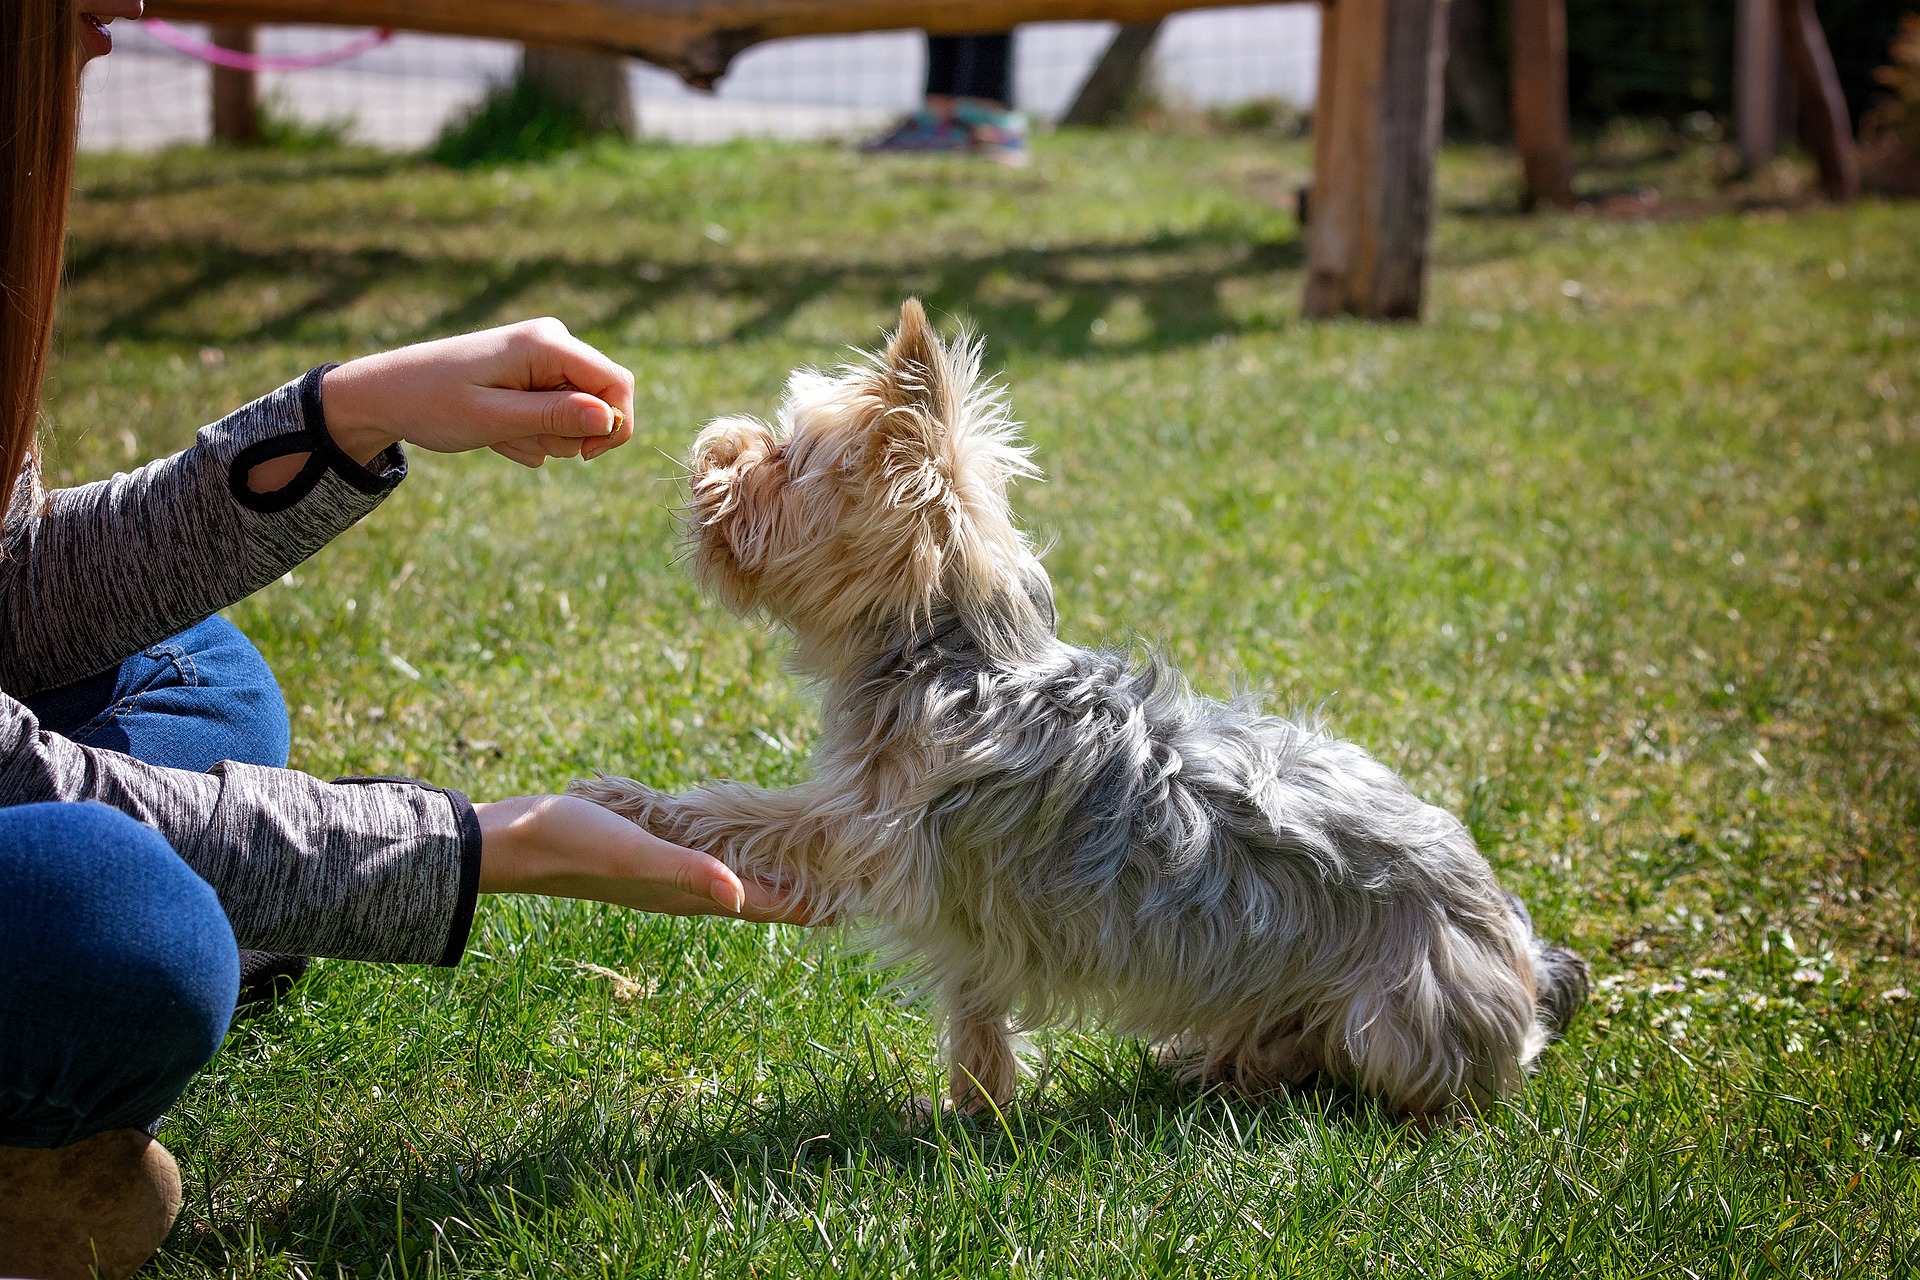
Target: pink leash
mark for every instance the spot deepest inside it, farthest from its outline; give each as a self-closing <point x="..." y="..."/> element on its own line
<point x="171" y="36"/>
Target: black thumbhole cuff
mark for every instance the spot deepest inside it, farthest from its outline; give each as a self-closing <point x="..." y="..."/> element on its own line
<point x="468" y="897"/>
<point x="463" y="907"/>
<point x="323" y="455"/>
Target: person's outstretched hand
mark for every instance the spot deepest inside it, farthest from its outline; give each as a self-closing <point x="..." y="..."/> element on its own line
<point x="566" y="847"/>
<point x="529" y="391"/>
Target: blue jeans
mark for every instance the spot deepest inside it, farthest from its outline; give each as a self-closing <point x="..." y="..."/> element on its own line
<point x="118" y="970"/>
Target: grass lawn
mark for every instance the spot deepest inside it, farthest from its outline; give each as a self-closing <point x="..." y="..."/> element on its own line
<point x="1615" y="556"/>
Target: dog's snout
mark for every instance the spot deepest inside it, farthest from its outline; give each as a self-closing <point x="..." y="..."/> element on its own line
<point x="731" y="443"/>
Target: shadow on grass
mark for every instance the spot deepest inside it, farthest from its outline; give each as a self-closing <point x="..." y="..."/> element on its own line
<point x="1090" y="1114"/>
<point x="125" y="178"/>
<point x="1084" y="1109"/>
<point x="1034" y="299"/>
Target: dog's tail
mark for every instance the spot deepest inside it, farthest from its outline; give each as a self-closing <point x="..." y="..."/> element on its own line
<point x="1561" y="977"/>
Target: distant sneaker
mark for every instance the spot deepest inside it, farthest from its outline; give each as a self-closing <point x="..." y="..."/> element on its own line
<point x="996" y="131"/>
<point x="923" y="131"/>
<point x="973" y="128"/>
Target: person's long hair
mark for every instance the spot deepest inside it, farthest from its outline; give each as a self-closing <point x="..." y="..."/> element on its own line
<point x="39" y="117"/>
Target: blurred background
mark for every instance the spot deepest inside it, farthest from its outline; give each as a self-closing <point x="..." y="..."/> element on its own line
<point x="1643" y="58"/>
<point x="405" y="92"/>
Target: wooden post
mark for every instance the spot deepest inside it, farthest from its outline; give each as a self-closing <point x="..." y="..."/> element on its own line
<point x="594" y="83"/>
<point x="1756" y="81"/>
<point x="1824" y="122"/>
<point x="1376" y="129"/>
<point x="1540" y="127"/>
<point x="1115" y="78"/>
<point x="236" y="94"/>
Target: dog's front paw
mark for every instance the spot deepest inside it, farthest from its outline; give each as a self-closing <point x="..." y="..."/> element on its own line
<point x="637" y="802"/>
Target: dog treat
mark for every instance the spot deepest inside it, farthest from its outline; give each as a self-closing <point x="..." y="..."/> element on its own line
<point x="1056" y="834"/>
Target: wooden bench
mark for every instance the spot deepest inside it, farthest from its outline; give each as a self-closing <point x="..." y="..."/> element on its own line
<point x="1376" y="122"/>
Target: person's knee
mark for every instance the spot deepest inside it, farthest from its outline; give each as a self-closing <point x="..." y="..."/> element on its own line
<point x="120" y="967"/>
<point x="157" y="929"/>
<point x="225" y="660"/>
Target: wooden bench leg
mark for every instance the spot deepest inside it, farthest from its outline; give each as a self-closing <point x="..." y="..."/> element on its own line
<point x="1824" y="122"/>
<point x="1115" y="78"/>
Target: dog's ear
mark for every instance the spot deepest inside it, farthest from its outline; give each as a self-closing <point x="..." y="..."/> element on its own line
<point x="915" y="379"/>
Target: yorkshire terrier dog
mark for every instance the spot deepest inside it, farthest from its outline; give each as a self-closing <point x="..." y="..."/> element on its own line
<point x="1054" y="833"/>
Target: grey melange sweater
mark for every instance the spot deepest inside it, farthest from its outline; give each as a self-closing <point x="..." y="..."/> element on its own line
<point x="364" y="869"/>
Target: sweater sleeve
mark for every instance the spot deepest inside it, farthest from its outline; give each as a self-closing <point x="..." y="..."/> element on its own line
<point x="91" y="574"/>
<point x="360" y="869"/>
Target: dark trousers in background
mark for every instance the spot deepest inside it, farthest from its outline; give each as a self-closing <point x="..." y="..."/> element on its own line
<point x="971" y="67"/>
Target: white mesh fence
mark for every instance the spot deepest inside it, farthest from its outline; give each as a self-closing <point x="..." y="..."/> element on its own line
<point x="401" y="94"/>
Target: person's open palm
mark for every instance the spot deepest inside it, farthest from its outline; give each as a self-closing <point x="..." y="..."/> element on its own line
<point x="567" y="847"/>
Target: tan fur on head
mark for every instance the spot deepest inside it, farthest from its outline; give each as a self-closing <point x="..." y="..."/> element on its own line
<point x="879" y="495"/>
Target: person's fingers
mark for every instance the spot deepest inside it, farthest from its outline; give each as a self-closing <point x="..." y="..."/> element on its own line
<point x="560" y="446"/>
<point x="675" y="903"/>
<point x="531" y="451"/>
<point x="663" y="876"/>
<point x="501" y="414"/>
<point x="592" y="447"/>
<point x="480" y="389"/>
<point x="761" y="905"/>
<point x="555" y="358"/>
<point x="765" y="904"/>
<point x="696" y="874"/>
<point x="711" y="886"/>
<point x="521" y="451"/>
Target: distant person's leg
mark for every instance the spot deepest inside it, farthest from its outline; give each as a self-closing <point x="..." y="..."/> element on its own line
<point x="976" y="68"/>
<point x="189" y="702"/>
<point x="971" y="83"/>
<point x="969" y="95"/>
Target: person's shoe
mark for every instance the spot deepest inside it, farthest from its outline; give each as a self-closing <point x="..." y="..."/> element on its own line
<point x="100" y="1206"/>
<point x="995" y="132"/>
<point x="923" y="131"/>
<point x="265" y="976"/>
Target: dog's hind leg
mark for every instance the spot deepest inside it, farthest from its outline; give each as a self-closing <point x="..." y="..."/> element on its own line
<point x="1456" y="1030"/>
